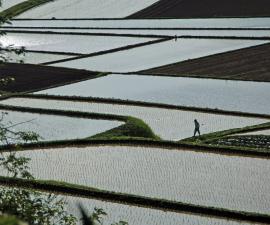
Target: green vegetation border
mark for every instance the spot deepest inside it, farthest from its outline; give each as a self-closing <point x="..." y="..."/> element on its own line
<point x="209" y="138"/>
<point x="128" y="133"/>
<point x="133" y="127"/>
<point x="129" y="199"/>
<point x="21" y="8"/>
<point x="141" y="142"/>
<point x="10" y="220"/>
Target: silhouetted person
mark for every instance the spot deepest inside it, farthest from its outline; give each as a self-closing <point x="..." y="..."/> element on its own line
<point x="197" y="128"/>
<point x="175" y="37"/>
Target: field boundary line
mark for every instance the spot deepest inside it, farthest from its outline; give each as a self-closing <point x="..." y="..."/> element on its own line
<point x="87" y="34"/>
<point x="49" y="52"/>
<point x="137" y="103"/>
<point x="124" y="48"/>
<point x="266" y="38"/>
<point x="137" y="28"/>
<point x="135" y="200"/>
<point x="141" y="142"/>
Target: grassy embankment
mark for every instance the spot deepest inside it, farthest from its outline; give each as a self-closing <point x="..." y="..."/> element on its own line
<point x="215" y="138"/>
<point x="21" y="8"/>
<point x="133" y="127"/>
<point x="89" y="192"/>
<point x="10" y="220"/>
<point x="136" y="132"/>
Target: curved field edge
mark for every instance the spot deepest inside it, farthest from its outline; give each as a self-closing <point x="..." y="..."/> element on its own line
<point x="136" y="103"/>
<point x="161" y="204"/>
<point x="21" y="8"/>
<point x="136" y="130"/>
<point x="133" y="127"/>
<point x="141" y="142"/>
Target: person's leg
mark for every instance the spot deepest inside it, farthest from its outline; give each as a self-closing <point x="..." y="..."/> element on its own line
<point x="199" y="132"/>
<point x="194" y="133"/>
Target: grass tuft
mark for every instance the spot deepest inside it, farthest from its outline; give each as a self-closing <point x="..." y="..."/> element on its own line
<point x="133" y="128"/>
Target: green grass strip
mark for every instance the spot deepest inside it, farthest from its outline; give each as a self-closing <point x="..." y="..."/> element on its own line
<point x="140" y="142"/>
<point x="129" y="199"/>
<point x="208" y="138"/>
<point x="10" y="220"/>
<point x="21" y="8"/>
<point x="133" y="127"/>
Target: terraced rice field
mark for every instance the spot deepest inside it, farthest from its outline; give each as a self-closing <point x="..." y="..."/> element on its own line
<point x="138" y="216"/>
<point x="168" y="124"/>
<point x="198" y="177"/>
<point x="218" y="33"/>
<point x="68" y="43"/>
<point x="205" y="93"/>
<point x="88" y="9"/>
<point x="153" y="23"/>
<point x="232" y="182"/>
<point x="52" y="127"/>
<point x="35" y="58"/>
<point x="156" y="55"/>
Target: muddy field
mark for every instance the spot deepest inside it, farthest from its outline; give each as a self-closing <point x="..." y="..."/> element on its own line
<point x="32" y="77"/>
<point x="206" y="8"/>
<point x="246" y="64"/>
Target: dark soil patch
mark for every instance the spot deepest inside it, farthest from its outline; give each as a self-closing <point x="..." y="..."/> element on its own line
<point x="251" y="141"/>
<point x="251" y="63"/>
<point x="204" y="9"/>
<point x="34" y="77"/>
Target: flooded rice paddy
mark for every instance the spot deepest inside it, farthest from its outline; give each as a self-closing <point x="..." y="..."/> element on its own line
<point x="232" y="182"/>
<point x="138" y="216"/>
<point x="156" y="55"/>
<point x="153" y="23"/>
<point x="217" y="33"/>
<point x="167" y="124"/>
<point x="260" y="132"/>
<point x="52" y="127"/>
<point x="84" y="8"/>
<point x="68" y="43"/>
<point x="35" y="58"/>
<point x="205" y="93"/>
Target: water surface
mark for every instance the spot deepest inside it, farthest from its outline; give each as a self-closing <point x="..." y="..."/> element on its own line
<point x="206" y="93"/>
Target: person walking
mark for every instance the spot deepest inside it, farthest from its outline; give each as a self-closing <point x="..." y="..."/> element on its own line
<point x="197" y="128"/>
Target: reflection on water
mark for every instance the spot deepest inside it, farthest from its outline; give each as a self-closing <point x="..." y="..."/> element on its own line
<point x="228" y="95"/>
